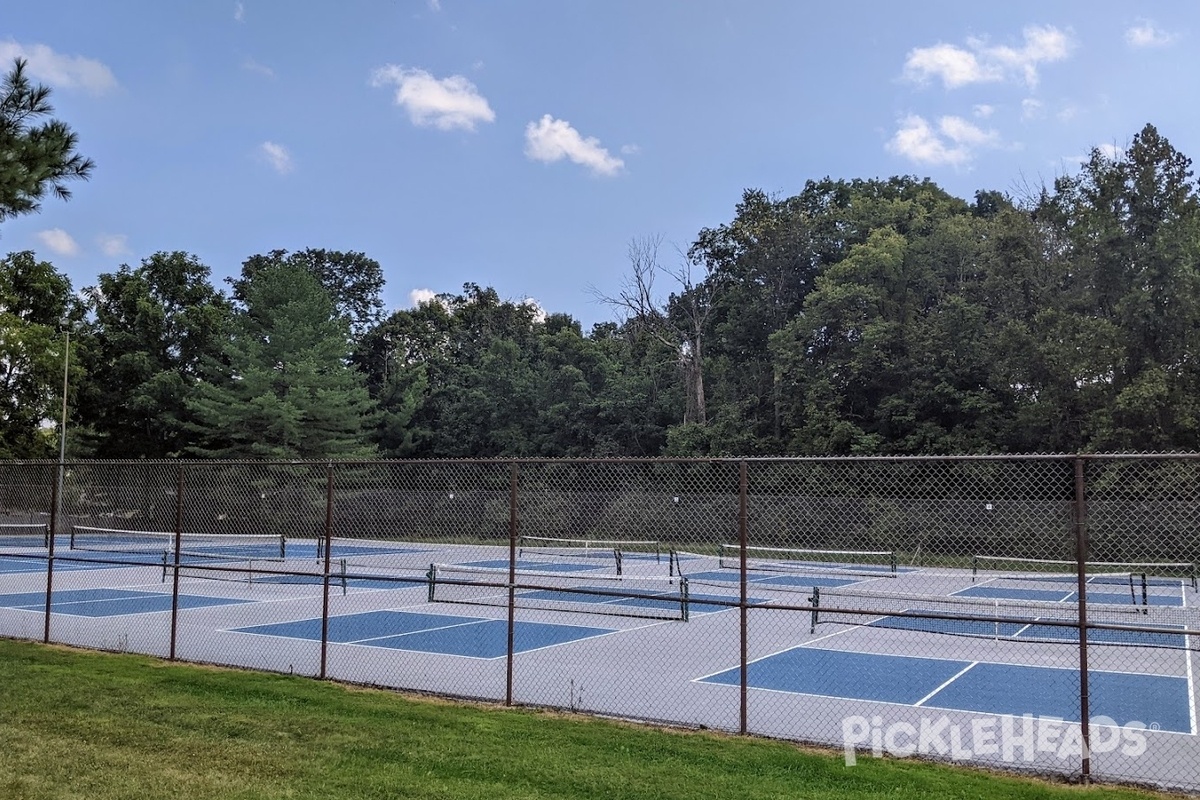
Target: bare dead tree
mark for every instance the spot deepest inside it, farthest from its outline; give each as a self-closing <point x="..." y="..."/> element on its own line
<point x="678" y="322"/>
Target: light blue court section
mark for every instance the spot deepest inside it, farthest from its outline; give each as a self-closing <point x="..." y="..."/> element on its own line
<point x="1064" y="596"/>
<point x="431" y="633"/>
<point x="535" y="566"/>
<point x="760" y="579"/>
<point x="969" y="686"/>
<point x="108" y="602"/>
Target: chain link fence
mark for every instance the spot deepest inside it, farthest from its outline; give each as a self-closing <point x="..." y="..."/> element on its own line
<point x="1033" y="613"/>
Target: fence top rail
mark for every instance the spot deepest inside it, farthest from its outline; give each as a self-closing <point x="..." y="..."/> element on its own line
<point x="721" y="460"/>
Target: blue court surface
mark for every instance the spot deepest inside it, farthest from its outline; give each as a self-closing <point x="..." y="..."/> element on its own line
<point x="108" y="602"/>
<point x="472" y="637"/>
<point x="1157" y="701"/>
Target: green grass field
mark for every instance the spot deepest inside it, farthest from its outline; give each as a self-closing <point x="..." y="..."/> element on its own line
<point x="103" y="726"/>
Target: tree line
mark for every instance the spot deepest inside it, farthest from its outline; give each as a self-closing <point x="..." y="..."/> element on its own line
<point x="859" y="316"/>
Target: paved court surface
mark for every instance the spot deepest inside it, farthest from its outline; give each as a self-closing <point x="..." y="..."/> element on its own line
<point x="587" y="638"/>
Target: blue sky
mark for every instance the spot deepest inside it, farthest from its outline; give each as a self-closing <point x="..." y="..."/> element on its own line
<point x="523" y="145"/>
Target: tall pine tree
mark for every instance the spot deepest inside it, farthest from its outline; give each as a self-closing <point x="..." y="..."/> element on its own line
<point x="290" y="392"/>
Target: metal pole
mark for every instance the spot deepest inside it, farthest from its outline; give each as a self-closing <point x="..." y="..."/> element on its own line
<point x="62" y="430"/>
<point x="178" y="555"/>
<point x="743" y="541"/>
<point x="325" y="570"/>
<point x="513" y="523"/>
<point x="1080" y="514"/>
<point x="50" y="559"/>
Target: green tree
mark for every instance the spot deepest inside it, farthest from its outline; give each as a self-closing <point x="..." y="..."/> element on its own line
<point x="159" y="328"/>
<point x="353" y="281"/>
<point x="290" y="392"/>
<point x="1130" y="242"/>
<point x="34" y="301"/>
<point x="34" y="157"/>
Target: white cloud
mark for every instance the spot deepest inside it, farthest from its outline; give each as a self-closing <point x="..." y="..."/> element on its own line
<point x="1031" y="108"/>
<point x="551" y="140"/>
<point x="59" y="242"/>
<point x="980" y="62"/>
<point x="239" y="12"/>
<point x="539" y="313"/>
<point x="277" y="156"/>
<point x="250" y="65"/>
<point x="435" y="5"/>
<point x="983" y="110"/>
<point x="955" y="66"/>
<point x="1147" y="34"/>
<point x="1111" y="152"/>
<point x="630" y="149"/>
<point x="1068" y="113"/>
<point x="419" y="297"/>
<point x="113" y="244"/>
<point x="954" y="142"/>
<point x="445" y="104"/>
<point x="60" y="71"/>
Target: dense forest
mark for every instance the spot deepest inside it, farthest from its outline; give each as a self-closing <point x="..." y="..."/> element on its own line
<point x="859" y="316"/>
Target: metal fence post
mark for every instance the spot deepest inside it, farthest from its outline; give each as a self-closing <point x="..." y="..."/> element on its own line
<point x="325" y="579"/>
<point x="1080" y="514"/>
<point x="178" y="550"/>
<point x="743" y="541"/>
<point x="513" y="522"/>
<point x="54" y="502"/>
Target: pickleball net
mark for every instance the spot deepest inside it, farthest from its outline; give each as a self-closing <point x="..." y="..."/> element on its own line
<point x="614" y="552"/>
<point x="610" y="595"/>
<point x="865" y="563"/>
<point x="216" y="545"/>
<point x="17" y="534"/>
<point x="1100" y="573"/>
<point x="1137" y="624"/>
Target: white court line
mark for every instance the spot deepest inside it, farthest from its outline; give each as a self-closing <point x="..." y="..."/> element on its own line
<point x="1191" y="684"/>
<point x="948" y="681"/>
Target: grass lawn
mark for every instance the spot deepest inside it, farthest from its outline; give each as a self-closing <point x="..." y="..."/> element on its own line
<point x="100" y="726"/>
